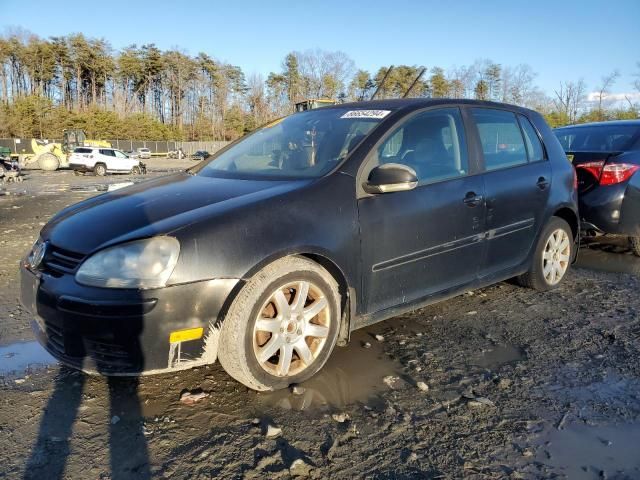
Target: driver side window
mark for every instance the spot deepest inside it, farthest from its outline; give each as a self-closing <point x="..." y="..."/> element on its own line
<point x="432" y="143"/>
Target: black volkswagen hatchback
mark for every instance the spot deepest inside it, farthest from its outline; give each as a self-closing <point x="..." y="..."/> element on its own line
<point x="269" y="254"/>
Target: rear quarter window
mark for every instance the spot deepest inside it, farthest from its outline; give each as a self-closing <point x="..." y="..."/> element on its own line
<point x="82" y="150"/>
<point x="535" y="150"/>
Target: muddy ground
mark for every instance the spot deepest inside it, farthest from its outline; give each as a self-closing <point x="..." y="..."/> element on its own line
<point x="516" y="384"/>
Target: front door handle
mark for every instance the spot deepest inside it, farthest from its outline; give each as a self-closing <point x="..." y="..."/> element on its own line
<point x="542" y="183"/>
<point x="472" y="200"/>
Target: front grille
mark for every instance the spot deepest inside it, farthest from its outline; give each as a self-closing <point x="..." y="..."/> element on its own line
<point x="106" y="354"/>
<point x="55" y="338"/>
<point x="60" y="261"/>
<point x="111" y="356"/>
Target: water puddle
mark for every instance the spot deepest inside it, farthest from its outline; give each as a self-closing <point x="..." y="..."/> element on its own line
<point x="609" y="257"/>
<point x="99" y="187"/>
<point x="499" y="355"/>
<point x="23" y="357"/>
<point x="601" y="451"/>
<point x="352" y="375"/>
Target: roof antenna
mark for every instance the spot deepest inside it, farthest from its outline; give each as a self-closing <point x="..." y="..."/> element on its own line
<point x="414" y="82"/>
<point x="381" y="83"/>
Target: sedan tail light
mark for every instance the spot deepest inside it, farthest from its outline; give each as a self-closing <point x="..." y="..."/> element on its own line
<point x="617" y="173"/>
<point x="609" y="174"/>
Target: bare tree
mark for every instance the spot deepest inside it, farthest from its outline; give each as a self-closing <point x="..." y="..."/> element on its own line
<point x="518" y="86"/>
<point x="324" y="74"/>
<point x="570" y="98"/>
<point x="462" y="80"/>
<point x="256" y="99"/>
<point x="605" y="86"/>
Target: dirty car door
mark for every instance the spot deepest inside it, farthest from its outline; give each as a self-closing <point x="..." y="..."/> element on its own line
<point x="517" y="185"/>
<point x="418" y="242"/>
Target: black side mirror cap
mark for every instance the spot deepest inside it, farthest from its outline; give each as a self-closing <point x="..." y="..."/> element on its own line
<point x="391" y="177"/>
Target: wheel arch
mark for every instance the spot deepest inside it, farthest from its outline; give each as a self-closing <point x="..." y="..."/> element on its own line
<point x="569" y="216"/>
<point x="325" y="260"/>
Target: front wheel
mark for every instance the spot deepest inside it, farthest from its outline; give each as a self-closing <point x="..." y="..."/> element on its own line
<point x="634" y="242"/>
<point x="282" y="326"/>
<point x="551" y="258"/>
<point x="135" y="171"/>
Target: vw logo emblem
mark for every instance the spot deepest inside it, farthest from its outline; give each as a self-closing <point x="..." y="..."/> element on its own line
<point x="37" y="255"/>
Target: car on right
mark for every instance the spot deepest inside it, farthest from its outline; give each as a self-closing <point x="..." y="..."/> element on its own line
<point x="201" y="155"/>
<point x="143" y="153"/>
<point x="606" y="156"/>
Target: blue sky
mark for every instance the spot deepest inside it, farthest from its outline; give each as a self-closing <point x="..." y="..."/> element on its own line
<point x="561" y="40"/>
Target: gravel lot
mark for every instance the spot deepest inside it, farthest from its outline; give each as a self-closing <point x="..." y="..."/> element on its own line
<point x="502" y="382"/>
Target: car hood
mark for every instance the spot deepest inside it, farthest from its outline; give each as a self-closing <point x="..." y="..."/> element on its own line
<point x="154" y="207"/>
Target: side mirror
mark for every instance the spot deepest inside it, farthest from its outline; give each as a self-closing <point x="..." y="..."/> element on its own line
<point x="391" y="177"/>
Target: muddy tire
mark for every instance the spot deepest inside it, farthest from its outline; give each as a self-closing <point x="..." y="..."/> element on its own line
<point x="48" y="162"/>
<point x="135" y="171"/>
<point x="100" y="169"/>
<point x="552" y="257"/>
<point x="282" y="326"/>
<point x="634" y="243"/>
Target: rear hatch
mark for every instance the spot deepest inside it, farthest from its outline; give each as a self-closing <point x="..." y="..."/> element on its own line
<point x="81" y="156"/>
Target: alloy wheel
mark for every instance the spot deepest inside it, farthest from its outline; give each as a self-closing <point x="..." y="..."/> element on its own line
<point x="291" y="328"/>
<point x="556" y="256"/>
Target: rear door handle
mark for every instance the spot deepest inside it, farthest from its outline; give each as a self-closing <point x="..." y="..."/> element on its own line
<point x="542" y="183"/>
<point x="472" y="200"/>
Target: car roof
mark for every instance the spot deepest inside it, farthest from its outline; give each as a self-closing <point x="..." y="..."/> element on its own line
<point x="603" y="124"/>
<point x="414" y="103"/>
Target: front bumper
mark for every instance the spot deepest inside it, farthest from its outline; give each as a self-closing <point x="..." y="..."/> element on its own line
<point x="124" y="332"/>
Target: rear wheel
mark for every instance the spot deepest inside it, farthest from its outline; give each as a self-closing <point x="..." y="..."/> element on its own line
<point x="48" y="162"/>
<point x="282" y="326"/>
<point x="100" y="169"/>
<point x="551" y="258"/>
<point x="634" y="242"/>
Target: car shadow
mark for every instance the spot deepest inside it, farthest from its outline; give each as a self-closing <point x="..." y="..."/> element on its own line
<point x="128" y="451"/>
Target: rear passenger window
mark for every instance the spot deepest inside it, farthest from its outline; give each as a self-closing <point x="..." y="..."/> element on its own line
<point x="502" y="142"/>
<point x="82" y="150"/>
<point x="534" y="146"/>
<point x="108" y="153"/>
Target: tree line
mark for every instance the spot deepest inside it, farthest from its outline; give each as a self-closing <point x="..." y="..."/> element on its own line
<point x="142" y="92"/>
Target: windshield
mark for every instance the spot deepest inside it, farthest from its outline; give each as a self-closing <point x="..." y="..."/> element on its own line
<point x="303" y="145"/>
<point x="598" y="138"/>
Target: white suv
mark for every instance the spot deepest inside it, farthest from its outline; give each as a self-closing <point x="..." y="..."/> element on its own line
<point x="102" y="160"/>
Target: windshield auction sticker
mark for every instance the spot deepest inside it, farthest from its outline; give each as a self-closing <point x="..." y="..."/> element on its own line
<point x="366" y="114"/>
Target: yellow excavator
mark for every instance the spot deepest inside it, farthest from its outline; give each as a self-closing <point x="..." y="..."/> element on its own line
<point x="311" y="103"/>
<point x="51" y="156"/>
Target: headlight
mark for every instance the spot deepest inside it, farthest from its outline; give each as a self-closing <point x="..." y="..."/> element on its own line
<point x="140" y="264"/>
<point x="36" y="254"/>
